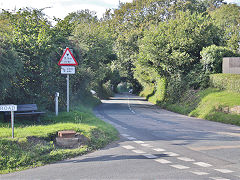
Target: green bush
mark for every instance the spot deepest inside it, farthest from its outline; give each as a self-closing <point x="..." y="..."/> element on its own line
<point x="212" y="57"/>
<point x="159" y="91"/>
<point x="230" y="82"/>
<point x="147" y="91"/>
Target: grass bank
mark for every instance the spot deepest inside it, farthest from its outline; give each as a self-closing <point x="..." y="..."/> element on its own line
<point x="208" y="104"/>
<point x="34" y="143"/>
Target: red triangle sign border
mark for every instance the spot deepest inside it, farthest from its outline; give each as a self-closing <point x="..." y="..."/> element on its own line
<point x="72" y="64"/>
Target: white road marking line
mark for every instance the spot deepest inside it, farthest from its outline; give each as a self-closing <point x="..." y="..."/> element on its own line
<point x="123" y="128"/>
<point x="150" y="156"/>
<point x="163" y="161"/>
<point x="159" y="149"/>
<point x="131" y="138"/>
<point x="224" y="170"/>
<point x="129" y="107"/>
<point x="185" y="159"/>
<point x="138" y="151"/>
<point x="146" y="145"/>
<point x="199" y="173"/>
<point x="218" y="178"/>
<point x="202" y="164"/>
<point x="125" y="135"/>
<point x="128" y="147"/>
<point x="178" y="166"/>
<point x="171" y="154"/>
<point x="139" y="142"/>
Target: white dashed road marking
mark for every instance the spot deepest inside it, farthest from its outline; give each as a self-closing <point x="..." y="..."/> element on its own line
<point x="163" y="161"/>
<point x="218" y="178"/>
<point x="129" y="107"/>
<point x="178" y="166"/>
<point x="185" y="159"/>
<point x="146" y="145"/>
<point x="224" y="170"/>
<point x="139" y="151"/>
<point x="199" y="173"/>
<point x="139" y="142"/>
<point x="159" y="150"/>
<point x="171" y="154"/>
<point x="128" y="147"/>
<point x="202" y="164"/>
<point x="150" y="156"/>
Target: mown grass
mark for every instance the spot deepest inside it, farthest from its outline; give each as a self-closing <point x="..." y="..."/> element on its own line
<point x="34" y="146"/>
<point x="207" y="103"/>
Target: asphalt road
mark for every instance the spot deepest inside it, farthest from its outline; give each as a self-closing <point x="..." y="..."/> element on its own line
<point x="154" y="144"/>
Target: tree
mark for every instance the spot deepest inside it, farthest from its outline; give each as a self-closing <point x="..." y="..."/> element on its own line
<point x="172" y="49"/>
<point x="227" y="18"/>
<point x="95" y="43"/>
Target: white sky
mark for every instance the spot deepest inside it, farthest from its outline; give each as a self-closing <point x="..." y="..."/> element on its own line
<point x="61" y="8"/>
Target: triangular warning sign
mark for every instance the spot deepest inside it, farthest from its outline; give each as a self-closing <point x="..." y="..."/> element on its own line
<point x="67" y="59"/>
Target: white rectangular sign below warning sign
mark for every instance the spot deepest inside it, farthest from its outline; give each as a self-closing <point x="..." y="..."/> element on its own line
<point x="67" y="70"/>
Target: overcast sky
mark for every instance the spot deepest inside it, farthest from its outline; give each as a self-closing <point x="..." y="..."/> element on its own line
<point x="61" y="8"/>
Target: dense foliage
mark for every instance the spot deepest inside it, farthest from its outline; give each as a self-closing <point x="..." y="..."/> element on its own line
<point x="31" y="47"/>
<point x="230" y="82"/>
<point x="161" y="47"/>
<point x="174" y="41"/>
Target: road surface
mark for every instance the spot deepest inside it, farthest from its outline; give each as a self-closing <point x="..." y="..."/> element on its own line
<point x="154" y="144"/>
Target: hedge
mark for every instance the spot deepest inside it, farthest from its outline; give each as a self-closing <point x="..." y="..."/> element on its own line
<point x="230" y="82"/>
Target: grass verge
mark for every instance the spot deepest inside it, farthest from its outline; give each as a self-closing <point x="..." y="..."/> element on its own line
<point x="34" y="145"/>
<point x="207" y="104"/>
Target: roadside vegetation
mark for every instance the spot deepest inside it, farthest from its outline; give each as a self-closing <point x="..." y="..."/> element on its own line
<point x="34" y="143"/>
<point x="211" y="104"/>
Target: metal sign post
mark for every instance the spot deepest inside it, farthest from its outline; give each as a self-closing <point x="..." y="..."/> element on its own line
<point x="67" y="92"/>
<point x="12" y="123"/>
<point x="67" y="63"/>
<point x="56" y="102"/>
<point x="11" y="108"/>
